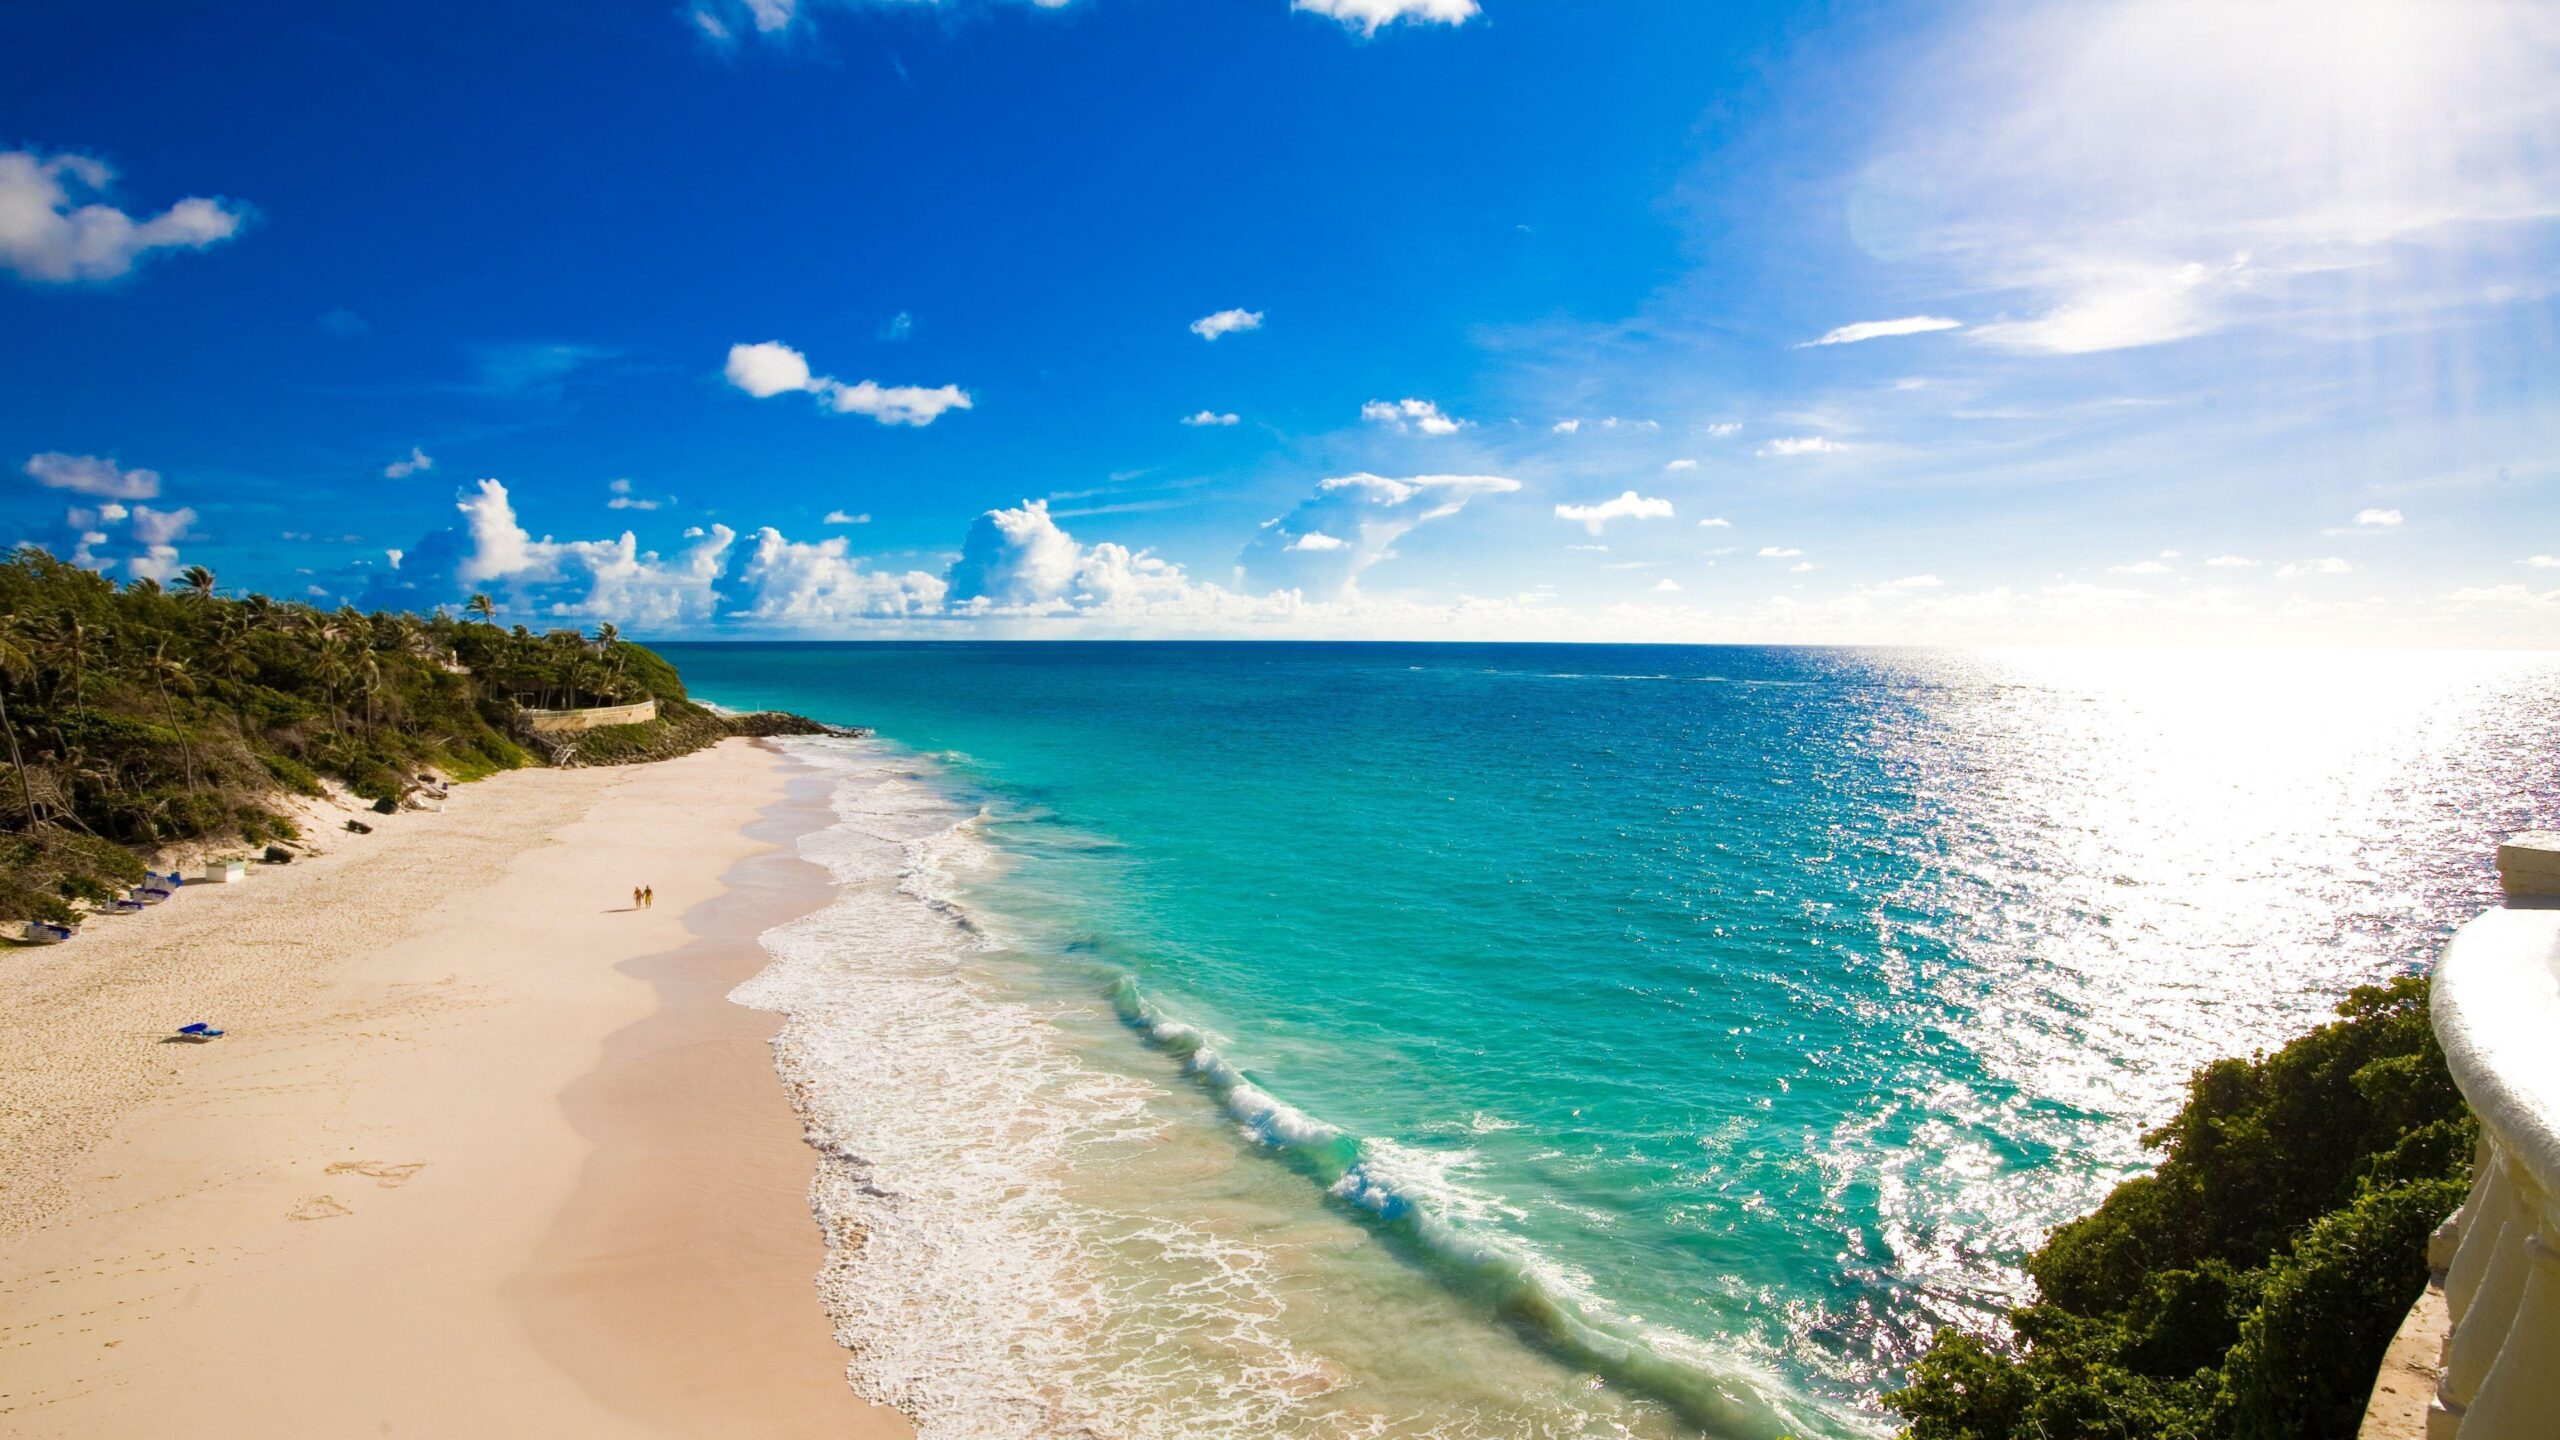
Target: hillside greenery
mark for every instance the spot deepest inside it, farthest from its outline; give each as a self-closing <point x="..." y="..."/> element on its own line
<point x="137" y="715"/>
<point x="2248" y="1287"/>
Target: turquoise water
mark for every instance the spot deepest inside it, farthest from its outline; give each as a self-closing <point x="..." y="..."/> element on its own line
<point x="1564" y="1040"/>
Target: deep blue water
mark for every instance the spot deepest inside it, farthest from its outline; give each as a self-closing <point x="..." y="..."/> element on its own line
<point x="1724" y="1016"/>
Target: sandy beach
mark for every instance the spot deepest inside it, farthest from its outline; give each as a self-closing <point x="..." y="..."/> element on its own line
<point x="486" y="1151"/>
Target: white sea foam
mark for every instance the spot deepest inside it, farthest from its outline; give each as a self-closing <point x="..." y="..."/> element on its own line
<point x="972" y="1292"/>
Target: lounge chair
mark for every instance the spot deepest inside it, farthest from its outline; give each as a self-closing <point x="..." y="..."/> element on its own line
<point x="198" y="1032"/>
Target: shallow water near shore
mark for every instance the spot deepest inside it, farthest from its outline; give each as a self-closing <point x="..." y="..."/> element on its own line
<point x="1544" y="1041"/>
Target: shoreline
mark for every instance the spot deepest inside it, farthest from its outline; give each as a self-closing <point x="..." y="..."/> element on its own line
<point x="396" y="1198"/>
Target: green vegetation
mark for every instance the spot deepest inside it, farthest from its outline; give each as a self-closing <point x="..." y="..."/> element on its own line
<point x="138" y="715"/>
<point x="2248" y="1288"/>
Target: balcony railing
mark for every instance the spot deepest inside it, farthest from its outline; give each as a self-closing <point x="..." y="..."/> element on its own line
<point x="2497" y="1012"/>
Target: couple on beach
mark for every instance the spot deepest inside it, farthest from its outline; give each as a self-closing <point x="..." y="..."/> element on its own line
<point x="643" y="896"/>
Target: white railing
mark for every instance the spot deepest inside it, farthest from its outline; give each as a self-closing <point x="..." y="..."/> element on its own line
<point x="2497" y="1012"/>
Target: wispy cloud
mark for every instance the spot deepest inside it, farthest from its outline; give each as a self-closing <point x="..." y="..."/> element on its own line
<point x="1366" y="16"/>
<point x="1792" y="445"/>
<point x="1210" y="417"/>
<point x="2378" y="517"/>
<point x="1879" y="329"/>
<point x="416" y="462"/>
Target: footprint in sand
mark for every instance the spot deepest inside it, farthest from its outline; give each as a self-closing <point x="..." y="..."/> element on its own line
<point x="389" y="1174"/>
<point x="318" y="1207"/>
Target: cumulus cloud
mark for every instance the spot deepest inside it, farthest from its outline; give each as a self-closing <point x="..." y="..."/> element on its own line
<point x="418" y="460"/>
<point x="1667" y="586"/>
<point x="91" y="475"/>
<point x="1226" y="322"/>
<point x="607" y="579"/>
<point x="2330" y="565"/>
<point x="1018" y="563"/>
<point x="1799" y="445"/>
<point x="1879" y="329"/>
<point x="2231" y="562"/>
<point x="1715" y="522"/>
<point x="839" y="517"/>
<point x="1779" y="552"/>
<point x="155" y="528"/>
<point x="2541" y="562"/>
<point x="56" y="227"/>
<point x="1210" y="417"/>
<point x="1410" y="414"/>
<point x="1681" y="465"/>
<point x="1368" y="514"/>
<point x="1566" y="427"/>
<point x="1318" y="540"/>
<point x="2378" y="517"/>
<point x="1725" y="429"/>
<point x="1629" y="506"/>
<point x="769" y="368"/>
<point x="806" y="585"/>
<point x="1366" y="16"/>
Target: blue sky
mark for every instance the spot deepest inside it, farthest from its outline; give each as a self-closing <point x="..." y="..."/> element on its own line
<point x="1417" y="318"/>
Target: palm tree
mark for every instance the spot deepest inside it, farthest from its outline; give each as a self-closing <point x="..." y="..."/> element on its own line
<point x="481" y="608"/>
<point x="198" y="582"/>
<point x="16" y="660"/>
<point x="163" y="670"/>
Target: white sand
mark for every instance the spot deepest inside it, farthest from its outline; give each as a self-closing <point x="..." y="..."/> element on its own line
<point x="484" y="1152"/>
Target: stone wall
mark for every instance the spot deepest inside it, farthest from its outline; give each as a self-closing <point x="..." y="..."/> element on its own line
<point x="555" y="722"/>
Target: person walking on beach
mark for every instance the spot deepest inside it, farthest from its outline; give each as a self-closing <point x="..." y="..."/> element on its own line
<point x="648" y="896"/>
<point x="635" y="897"/>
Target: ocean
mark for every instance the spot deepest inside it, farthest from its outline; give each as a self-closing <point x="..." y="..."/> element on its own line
<point x="1541" y="1041"/>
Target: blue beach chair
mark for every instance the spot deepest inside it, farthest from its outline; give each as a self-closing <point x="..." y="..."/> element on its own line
<point x="199" y="1031"/>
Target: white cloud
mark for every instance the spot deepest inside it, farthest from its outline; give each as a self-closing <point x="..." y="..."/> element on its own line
<point x="1779" y="552"/>
<point x="1629" y="506"/>
<point x="1366" y="16"/>
<point x="1017" y="562"/>
<point x="2505" y="597"/>
<point x="1369" y="513"/>
<point x="1800" y="445"/>
<point x="771" y="368"/>
<point x="1410" y="414"/>
<point x="2140" y="567"/>
<point x="1725" y="429"/>
<point x="607" y="579"/>
<point x="839" y="517"/>
<point x="896" y="404"/>
<point x="796" y="585"/>
<point x="2330" y="565"/>
<point x="1800" y="567"/>
<point x="1715" y="522"/>
<point x="156" y="528"/>
<point x="2231" y="562"/>
<point x="1318" y="540"/>
<point x="1879" y="329"/>
<point x="1667" y="586"/>
<point x="2378" y="517"/>
<point x="1681" y="465"/>
<point x="623" y="499"/>
<point x="91" y="475"/>
<point x="418" y="460"/>
<point x="1916" y="582"/>
<point x="1210" y="417"/>
<point x="2541" y="562"/>
<point x="767" y="369"/>
<point x="1226" y="322"/>
<point x="1566" y="427"/>
<point x="56" y="227"/>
